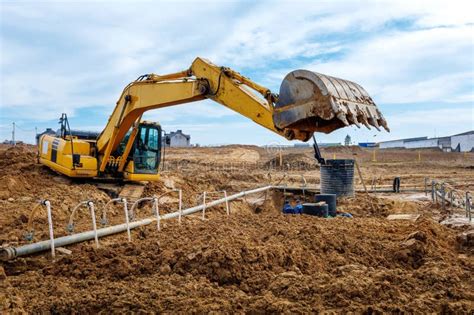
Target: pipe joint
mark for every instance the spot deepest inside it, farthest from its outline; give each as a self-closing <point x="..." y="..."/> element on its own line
<point x="70" y="228"/>
<point x="29" y="236"/>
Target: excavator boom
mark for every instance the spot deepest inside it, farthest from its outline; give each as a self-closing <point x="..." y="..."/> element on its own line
<point x="308" y="102"/>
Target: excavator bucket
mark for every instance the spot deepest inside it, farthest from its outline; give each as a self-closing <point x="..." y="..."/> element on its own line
<point x="313" y="101"/>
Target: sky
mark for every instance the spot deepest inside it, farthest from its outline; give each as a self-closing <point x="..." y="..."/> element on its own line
<point x="415" y="58"/>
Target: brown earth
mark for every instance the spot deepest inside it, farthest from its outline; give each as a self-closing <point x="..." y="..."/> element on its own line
<point x="256" y="260"/>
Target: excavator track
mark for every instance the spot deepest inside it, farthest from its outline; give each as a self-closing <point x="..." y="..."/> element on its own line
<point x="131" y="192"/>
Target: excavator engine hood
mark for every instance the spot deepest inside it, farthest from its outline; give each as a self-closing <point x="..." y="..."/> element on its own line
<point x="313" y="101"/>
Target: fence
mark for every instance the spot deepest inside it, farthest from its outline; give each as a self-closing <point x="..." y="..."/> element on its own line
<point x="448" y="196"/>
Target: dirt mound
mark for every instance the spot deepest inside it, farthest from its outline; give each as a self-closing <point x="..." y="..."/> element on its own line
<point x="14" y="159"/>
<point x="265" y="263"/>
<point x="364" y="205"/>
<point x="293" y="161"/>
<point x="343" y="149"/>
<point x="257" y="260"/>
<point x="24" y="182"/>
<point x="207" y="155"/>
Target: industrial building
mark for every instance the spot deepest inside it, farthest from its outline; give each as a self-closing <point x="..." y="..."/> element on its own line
<point x="48" y="131"/>
<point x="367" y="144"/>
<point x="177" y="139"/>
<point x="463" y="142"/>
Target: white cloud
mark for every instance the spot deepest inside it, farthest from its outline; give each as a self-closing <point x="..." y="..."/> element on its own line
<point x="197" y="110"/>
<point x="461" y="117"/>
<point x="59" y="56"/>
<point x="429" y="65"/>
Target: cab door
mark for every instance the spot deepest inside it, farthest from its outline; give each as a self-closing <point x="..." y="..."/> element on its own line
<point x="147" y="149"/>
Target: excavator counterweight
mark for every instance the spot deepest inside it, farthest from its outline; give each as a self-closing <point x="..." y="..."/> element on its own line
<point x="313" y="101"/>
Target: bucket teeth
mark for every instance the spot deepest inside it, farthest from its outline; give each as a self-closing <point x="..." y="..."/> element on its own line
<point x="342" y="117"/>
<point x="310" y="101"/>
<point x="372" y="120"/>
<point x="374" y="123"/>
<point x="383" y="122"/>
<point x="364" y="121"/>
<point x="353" y="119"/>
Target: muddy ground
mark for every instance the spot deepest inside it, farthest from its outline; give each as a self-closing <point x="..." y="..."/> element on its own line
<point x="255" y="260"/>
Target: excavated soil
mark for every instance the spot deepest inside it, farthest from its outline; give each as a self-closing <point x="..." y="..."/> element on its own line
<point x="256" y="260"/>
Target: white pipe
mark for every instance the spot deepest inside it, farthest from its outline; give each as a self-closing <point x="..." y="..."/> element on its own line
<point x="94" y="225"/>
<point x="50" y="223"/>
<point x="8" y="253"/>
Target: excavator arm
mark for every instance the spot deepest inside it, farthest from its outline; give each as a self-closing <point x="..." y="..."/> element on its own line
<point x="308" y="102"/>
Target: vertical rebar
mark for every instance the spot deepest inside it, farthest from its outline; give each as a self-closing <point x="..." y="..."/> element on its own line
<point x="226" y="203"/>
<point x="50" y="223"/>
<point x="127" y="222"/>
<point x="433" y="191"/>
<point x="94" y="225"/>
<point x="468" y="206"/>
<point x="204" y="205"/>
<point x="157" y="212"/>
<point x="180" y="206"/>
<point x="443" y="195"/>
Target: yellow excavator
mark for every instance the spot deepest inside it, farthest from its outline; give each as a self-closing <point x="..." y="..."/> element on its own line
<point x="130" y="149"/>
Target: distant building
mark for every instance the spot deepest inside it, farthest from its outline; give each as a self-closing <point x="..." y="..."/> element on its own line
<point x="326" y="145"/>
<point x="392" y="144"/>
<point x="48" y="131"/>
<point x="347" y="141"/>
<point x="463" y="142"/>
<point x="11" y="142"/>
<point x="421" y="143"/>
<point x="177" y="139"/>
<point x="301" y="145"/>
<point x="367" y="144"/>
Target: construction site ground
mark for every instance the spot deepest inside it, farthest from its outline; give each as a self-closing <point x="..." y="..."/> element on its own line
<point x="256" y="260"/>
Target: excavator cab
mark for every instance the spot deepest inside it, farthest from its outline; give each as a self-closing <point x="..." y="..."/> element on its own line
<point x="147" y="149"/>
<point x="145" y="154"/>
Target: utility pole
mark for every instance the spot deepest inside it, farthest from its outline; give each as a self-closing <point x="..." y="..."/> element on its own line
<point x="13" y="134"/>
